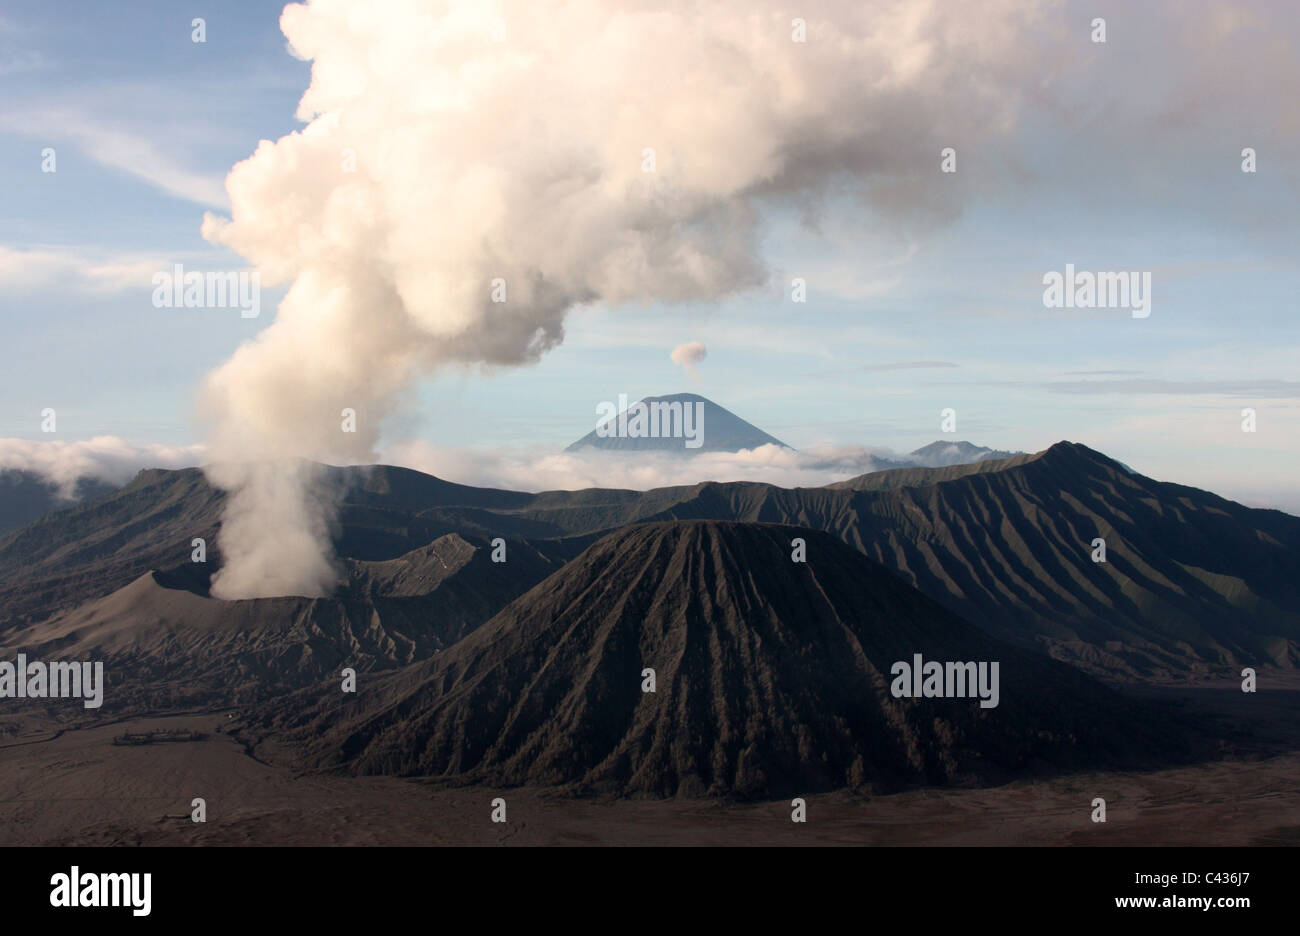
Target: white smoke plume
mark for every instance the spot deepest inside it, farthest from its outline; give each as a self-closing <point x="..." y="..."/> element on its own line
<point x="688" y="355"/>
<point x="275" y="529"/>
<point x="470" y="171"/>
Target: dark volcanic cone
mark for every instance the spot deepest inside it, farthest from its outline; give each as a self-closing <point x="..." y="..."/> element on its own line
<point x="165" y="642"/>
<point x="773" y="677"/>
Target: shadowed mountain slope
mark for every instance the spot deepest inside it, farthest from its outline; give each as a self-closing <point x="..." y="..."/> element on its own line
<point x="26" y="496"/>
<point x="924" y="477"/>
<point x="96" y="547"/>
<point x="163" y="639"/>
<point x="103" y="544"/>
<point x="1192" y="583"/>
<point x="773" y="677"/>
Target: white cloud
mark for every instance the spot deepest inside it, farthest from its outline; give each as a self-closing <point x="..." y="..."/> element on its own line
<point x="549" y="471"/>
<point x="78" y="268"/>
<point x="103" y="458"/>
<point x="688" y="355"/>
<point x="117" y="148"/>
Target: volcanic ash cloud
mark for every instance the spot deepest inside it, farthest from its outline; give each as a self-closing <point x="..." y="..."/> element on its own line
<point x="468" y="172"/>
<point x="688" y="355"/>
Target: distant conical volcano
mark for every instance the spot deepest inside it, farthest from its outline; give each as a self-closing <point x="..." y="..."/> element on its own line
<point x="771" y="677"/>
<point x="686" y="423"/>
<point x="942" y="454"/>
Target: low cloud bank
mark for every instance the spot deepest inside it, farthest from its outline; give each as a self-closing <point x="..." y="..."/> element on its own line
<point x="116" y="461"/>
<point x="549" y="471"/>
<point x="113" y="460"/>
<point x="104" y="458"/>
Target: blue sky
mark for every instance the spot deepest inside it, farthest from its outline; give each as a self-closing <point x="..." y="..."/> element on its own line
<point x="1127" y="160"/>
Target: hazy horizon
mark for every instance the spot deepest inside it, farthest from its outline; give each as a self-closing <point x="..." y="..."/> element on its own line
<point x="923" y="288"/>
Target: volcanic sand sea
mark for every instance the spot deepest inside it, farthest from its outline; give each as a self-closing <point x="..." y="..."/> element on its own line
<point x="74" y="786"/>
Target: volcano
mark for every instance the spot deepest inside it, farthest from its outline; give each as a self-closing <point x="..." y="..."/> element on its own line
<point x="165" y="640"/>
<point x="771" y="676"/>
<point x="1193" y="585"/>
<point x="719" y="429"/>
